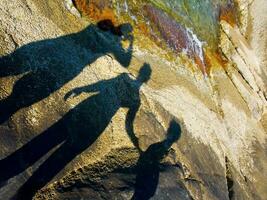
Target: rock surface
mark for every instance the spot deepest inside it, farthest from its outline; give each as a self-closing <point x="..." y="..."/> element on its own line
<point x="86" y="109"/>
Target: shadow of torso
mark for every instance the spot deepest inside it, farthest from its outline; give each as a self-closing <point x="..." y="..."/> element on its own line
<point x="89" y="119"/>
<point x="49" y="64"/>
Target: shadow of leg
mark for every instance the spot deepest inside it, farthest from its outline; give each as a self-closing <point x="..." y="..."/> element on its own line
<point x="147" y="175"/>
<point x="7" y="108"/>
<point x="72" y="147"/>
<point x="28" y="154"/>
<point x="49" y="169"/>
<point x="46" y="172"/>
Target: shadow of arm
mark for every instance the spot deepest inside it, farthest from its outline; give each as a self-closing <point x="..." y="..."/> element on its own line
<point x="88" y="88"/>
<point x="32" y="151"/>
<point x="129" y="124"/>
<point x="124" y="56"/>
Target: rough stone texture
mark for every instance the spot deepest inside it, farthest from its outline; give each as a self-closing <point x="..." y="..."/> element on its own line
<point x="221" y="153"/>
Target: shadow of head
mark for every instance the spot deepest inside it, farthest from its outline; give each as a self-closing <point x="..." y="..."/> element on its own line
<point x="173" y="133"/>
<point x="144" y="73"/>
<point x="123" y="30"/>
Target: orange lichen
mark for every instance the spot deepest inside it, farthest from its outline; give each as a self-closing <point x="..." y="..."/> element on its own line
<point x="214" y="60"/>
<point x="202" y="66"/>
<point x="142" y="27"/>
<point x="219" y="57"/>
<point x="96" y="10"/>
<point x="229" y="14"/>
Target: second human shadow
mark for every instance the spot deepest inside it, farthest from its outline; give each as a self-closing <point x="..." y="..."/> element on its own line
<point x="77" y="130"/>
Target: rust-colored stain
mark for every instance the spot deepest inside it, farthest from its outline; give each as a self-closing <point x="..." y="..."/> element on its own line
<point x="229" y="13"/>
<point x="220" y="59"/>
<point x="202" y="65"/>
<point x="96" y="10"/>
<point x="214" y="59"/>
<point x="142" y="27"/>
<point x="208" y="63"/>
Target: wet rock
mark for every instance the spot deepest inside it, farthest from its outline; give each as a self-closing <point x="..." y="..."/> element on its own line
<point x="177" y="37"/>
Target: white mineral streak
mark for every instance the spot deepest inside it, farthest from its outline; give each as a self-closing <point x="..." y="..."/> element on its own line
<point x="126" y="6"/>
<point x="197" y="46"/>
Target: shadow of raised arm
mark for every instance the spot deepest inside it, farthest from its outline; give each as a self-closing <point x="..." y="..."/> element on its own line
<point x="129" y="124"/>
<point x="125" y="56"/>
<point x="124" y="33"/>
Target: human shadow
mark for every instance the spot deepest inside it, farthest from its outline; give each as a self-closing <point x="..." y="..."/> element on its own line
<point x="47" y="65"/>
<point x="77" y="130"/>
<point x="148" y="165"/>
